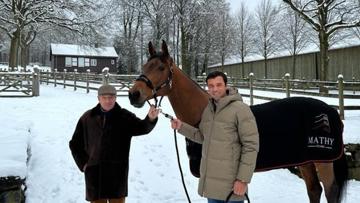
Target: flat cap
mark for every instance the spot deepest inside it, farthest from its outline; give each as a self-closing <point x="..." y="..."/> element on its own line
<point x="107" y="89"/>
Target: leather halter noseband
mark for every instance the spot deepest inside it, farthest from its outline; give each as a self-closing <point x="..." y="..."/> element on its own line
<point x="154" y="90"/>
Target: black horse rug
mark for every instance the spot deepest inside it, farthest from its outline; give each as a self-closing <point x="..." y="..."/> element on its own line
<point x="293" y="131"/>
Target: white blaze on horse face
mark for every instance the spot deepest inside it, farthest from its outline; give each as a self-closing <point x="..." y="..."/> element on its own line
<point x="216" y="87"/>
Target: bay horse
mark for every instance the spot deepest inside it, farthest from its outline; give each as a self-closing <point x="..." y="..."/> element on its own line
<point x="297" y="131"/>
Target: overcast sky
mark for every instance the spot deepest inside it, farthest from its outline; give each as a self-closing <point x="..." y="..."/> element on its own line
<point x="251" y="4"/>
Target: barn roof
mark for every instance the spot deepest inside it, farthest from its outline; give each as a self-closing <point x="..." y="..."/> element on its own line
<point x="82" y="50"/>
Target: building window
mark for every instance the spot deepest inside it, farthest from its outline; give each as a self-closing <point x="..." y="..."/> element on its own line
<point x="112" y="62"/>
<point x="81" y="62"/>
<point x="74" y="61"/>
<point x="93" y="62"/>
<point x="67" y="61"/>
<point x="87" y="62"/>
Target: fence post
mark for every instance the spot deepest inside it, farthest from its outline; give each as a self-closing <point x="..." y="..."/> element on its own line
<point x="304" y="84"/>
<point x="87" y="80"/>
<point x="55" y="71"/>
<point x="353" y="79"/>
<point x="36" y="82"/>
<point x="251" y="87"/>
<point x="341" y="96"/>
<point x="204" y="79"/>
<point x="105" y="76"/>
<point x="47" y="77"/>
<point x="287" y="84"/>
<point x="75" y="71"/>
<point x="39" y="75"/>
<point x="64" y="77"/>
<point x="39" y="72"/>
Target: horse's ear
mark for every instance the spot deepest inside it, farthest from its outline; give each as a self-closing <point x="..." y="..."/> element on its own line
<point x="164" y="48"/>
<point x="152" y="51"/>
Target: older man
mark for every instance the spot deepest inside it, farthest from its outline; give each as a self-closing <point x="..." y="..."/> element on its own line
<point x="101" y="143"/>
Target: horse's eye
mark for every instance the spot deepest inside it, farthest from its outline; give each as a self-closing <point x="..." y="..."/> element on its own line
<point x="161" y="67"/>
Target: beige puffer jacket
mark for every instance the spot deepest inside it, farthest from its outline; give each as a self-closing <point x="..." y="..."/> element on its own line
<point x="230" y="145"/>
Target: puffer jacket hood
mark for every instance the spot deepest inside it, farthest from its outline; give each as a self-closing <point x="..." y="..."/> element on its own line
<point x="232" y="95"/>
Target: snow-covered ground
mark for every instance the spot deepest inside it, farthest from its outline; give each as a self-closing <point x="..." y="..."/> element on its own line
<point x="46" y="124"/>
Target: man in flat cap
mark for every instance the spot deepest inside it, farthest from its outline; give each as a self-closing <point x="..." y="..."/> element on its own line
<point x="100" y="146"/>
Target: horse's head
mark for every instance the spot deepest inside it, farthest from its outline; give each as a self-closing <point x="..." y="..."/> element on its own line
<point x="156" y="77"/>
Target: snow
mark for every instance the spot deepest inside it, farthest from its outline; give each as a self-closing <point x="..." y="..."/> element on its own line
<point x="29" y="68"/>
<point x="82" y="50"/>
<point x="46" y="124"/>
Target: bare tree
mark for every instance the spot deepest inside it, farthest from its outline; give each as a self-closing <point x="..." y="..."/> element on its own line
<point x="296" y="35"/>
<point x="22" y="16"/>
<point x="225" y="35"/>
<point x="158" y="15"/>
<point x="200" y="24"/>
<point x="208" y="29"/>
<point x="244" y="37"/>
<point x="266" y="17"/>
<point x="183" y="10"/>
<point x="356" y="32"/>
<point x="131" y="19"/>
<point x="327" y="17"/>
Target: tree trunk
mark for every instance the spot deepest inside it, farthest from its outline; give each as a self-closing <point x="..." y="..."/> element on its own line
<point x="184" y="53"/>
<point x="205" y="64"/>
<point x="222" y="62"/>
<point x="24" y="60"/>
<point x="242" y="65"/>
<point x="14" y="47"/>
<point x="177" y="45"/>
<point x="294" y="67"/>
<point x="265" y="68"/>
<point x="324" y="59"/>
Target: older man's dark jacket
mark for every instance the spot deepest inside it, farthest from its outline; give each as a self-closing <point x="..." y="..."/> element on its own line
<point x="102" y="141"/>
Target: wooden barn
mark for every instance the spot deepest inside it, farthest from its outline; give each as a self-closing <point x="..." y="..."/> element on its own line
<point x="343" y="60"/>
<point x="81" y="57"/>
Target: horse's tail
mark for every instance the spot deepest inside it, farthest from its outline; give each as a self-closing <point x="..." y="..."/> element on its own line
<point x="341" y="174"/>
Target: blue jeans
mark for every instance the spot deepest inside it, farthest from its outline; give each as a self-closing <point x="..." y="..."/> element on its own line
<point x="222" y="201"/>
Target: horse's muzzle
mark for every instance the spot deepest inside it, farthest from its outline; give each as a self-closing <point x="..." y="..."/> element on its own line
<point x="134" y="98"/>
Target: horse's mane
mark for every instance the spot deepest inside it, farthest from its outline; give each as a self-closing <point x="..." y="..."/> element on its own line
<point x="196" y="84"/>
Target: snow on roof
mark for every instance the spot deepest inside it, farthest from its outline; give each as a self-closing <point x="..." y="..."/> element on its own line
<point x="82" y="50"/>
<point x="235" y="59"/>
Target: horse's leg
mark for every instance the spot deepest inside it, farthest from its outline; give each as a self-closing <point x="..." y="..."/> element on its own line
<point x="327" y="177"/>
<point x="309" y="174"/>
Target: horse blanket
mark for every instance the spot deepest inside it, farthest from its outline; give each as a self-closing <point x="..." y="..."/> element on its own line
<point x="297" y="130"/>
<point x="292" y="132"/>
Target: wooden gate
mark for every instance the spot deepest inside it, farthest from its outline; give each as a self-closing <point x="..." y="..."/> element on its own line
<point x="19" y="84"/>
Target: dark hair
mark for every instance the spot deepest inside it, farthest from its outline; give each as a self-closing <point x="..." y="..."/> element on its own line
<point x="215" y="74"/>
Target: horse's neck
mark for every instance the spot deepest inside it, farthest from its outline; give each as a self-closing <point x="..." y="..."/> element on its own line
<point x="187" y="99"/>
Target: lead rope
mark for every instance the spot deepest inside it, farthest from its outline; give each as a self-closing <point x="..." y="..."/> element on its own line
<point x="232" y="192"/>
<point x="176" y="147"/>
<point x="179" y="164"/>
<point x="181" y="172"/>
<point x="178" y="157"/>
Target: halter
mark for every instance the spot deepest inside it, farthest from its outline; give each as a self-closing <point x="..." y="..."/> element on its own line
<point x="154" y="90"/>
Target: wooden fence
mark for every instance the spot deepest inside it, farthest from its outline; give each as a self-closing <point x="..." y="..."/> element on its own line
<point x="333" y="89"/>
<point x="13" y="84"/>
<point x="87" y="80"/>
<point x="90" y="81"/>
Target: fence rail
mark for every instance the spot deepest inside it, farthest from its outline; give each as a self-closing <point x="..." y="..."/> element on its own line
<point x="87" y="80"/>
<point x="14" y="84"/>
<point x="333" y="89"/>
<point x="90" y="81"/>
